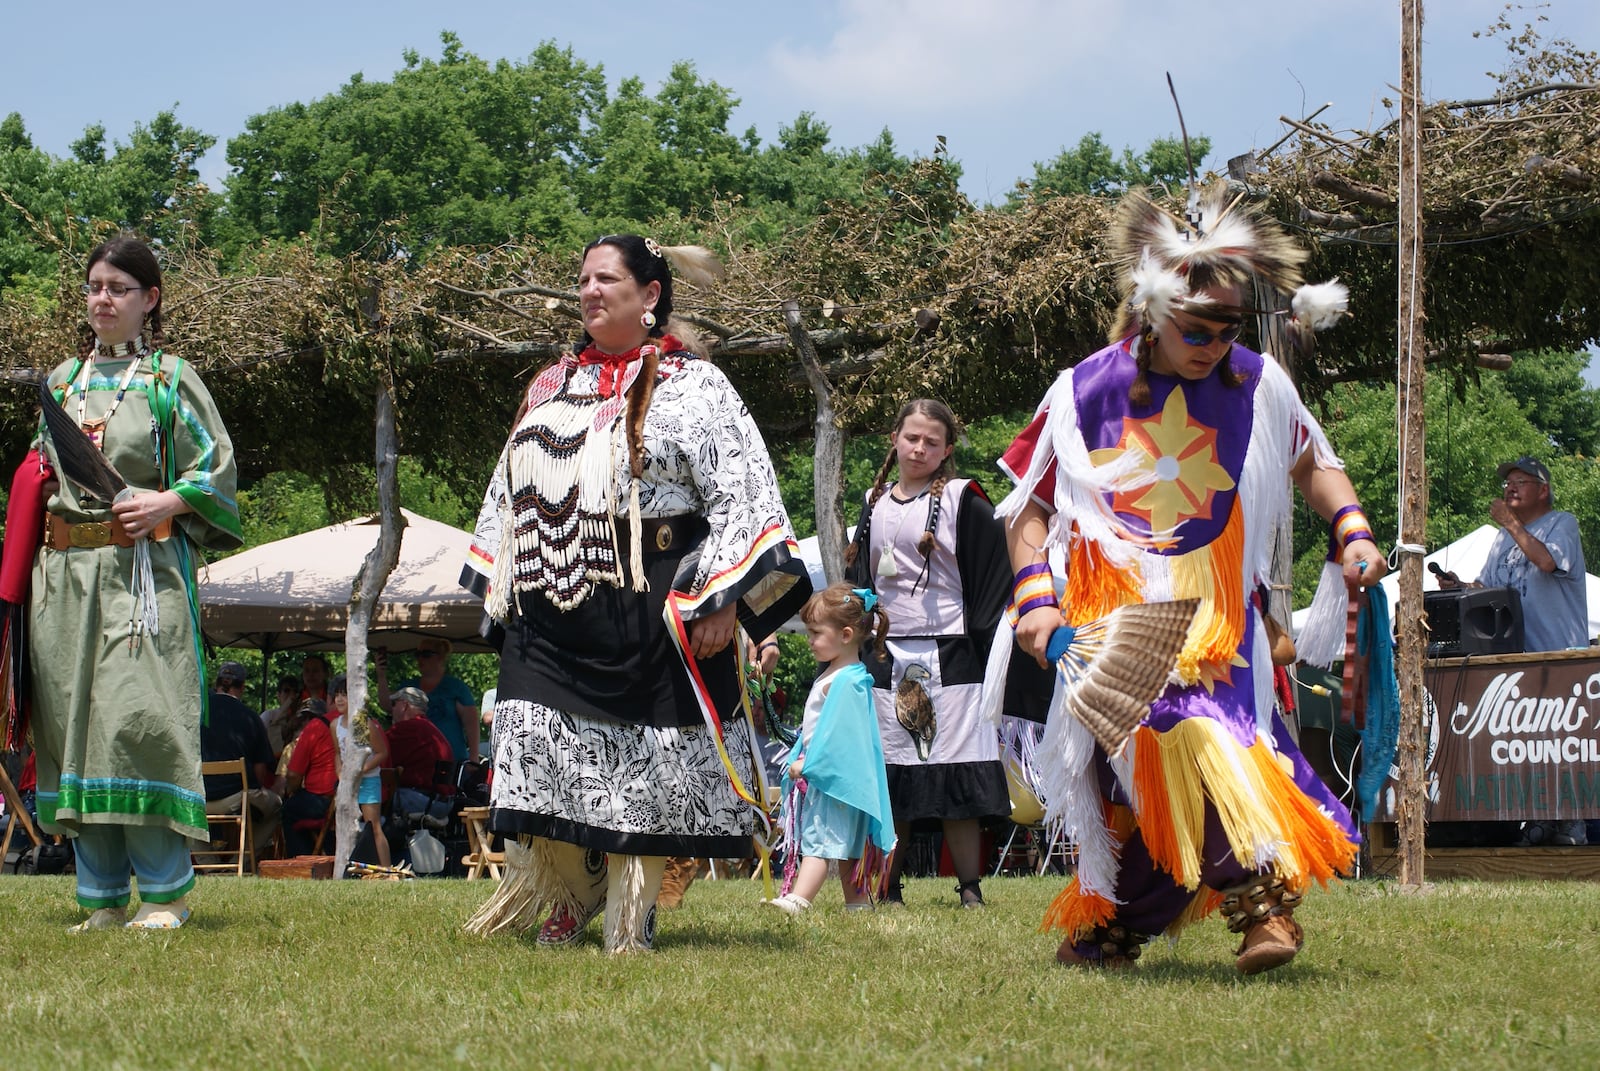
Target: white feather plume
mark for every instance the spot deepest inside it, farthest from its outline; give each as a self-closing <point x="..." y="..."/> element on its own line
<point x="694" y="263"/>
<point x="1157" y="290"/>
<point x="1320" y="305"/>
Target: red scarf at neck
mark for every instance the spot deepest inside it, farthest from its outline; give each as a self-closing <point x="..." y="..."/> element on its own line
<point x="613" y="365"/>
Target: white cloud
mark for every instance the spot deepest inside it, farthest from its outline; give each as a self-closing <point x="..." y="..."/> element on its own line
<point x="925" y="56"/>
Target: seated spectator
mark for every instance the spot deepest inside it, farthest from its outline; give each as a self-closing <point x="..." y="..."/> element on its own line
<point x="278" y="719"/>
<point x="422" y="756"/>
<point x="451" y="705"/>
<point x="312" y="778"/>
<point x="486" y="724"/>
<point x="233" y="732"/>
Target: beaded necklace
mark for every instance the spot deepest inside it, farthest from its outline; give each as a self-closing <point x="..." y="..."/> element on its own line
<point x="95" y="429"/>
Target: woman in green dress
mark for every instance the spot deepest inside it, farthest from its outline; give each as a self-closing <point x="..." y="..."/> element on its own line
<point x="118" y="695"/>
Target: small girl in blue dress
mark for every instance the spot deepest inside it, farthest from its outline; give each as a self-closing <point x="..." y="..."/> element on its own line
<point x="835" y="791"/>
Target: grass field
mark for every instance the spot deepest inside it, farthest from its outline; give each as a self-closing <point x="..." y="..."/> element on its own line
<point x="300" y="974"/>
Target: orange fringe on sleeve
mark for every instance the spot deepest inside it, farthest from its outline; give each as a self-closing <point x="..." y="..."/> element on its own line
<point x="1095" y="587"/>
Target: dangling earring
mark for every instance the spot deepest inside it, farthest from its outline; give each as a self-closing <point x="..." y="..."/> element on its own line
<point x="648" y="319"/>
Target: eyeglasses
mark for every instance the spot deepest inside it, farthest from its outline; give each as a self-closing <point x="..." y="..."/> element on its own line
<point x="426" y="654"/>
<point x="116" y="290"/>
<point x="1228" y="334"/>
<point x="1520" y="484"/>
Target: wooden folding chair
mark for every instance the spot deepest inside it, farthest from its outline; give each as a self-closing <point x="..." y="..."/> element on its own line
<point x="480" y="859"/>
<point x="19" y="815"/>
<point x="223" y="853"/>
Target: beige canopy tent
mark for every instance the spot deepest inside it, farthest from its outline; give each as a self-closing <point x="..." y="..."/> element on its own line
<point x="294" y="594"/>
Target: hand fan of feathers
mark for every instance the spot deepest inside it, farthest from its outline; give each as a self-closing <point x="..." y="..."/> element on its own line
<point x="1115" y="666"/>
<point x="79" y="459"/>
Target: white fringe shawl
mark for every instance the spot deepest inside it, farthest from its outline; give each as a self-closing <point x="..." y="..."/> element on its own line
<point x="1322" y="638"/>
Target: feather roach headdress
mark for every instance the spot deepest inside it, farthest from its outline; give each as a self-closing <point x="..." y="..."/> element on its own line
<point x="1166" y="261"/>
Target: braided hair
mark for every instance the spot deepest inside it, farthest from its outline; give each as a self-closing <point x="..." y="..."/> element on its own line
<point x="930" y="409"/>
<point x="127" y="252"/>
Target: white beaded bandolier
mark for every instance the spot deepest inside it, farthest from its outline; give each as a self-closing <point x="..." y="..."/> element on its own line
<point x="563" y="466"/>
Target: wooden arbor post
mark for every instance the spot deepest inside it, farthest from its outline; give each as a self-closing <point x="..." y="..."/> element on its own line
<point x="1413" y="473"/>
<point x="828" y="455"/>
<point x="367" y="588"/>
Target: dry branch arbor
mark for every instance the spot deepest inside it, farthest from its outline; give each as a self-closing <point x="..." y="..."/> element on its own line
<point x="1005" y="297"/>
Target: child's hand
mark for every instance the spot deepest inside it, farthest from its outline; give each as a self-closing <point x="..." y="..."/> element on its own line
<point x="794" y="769"/>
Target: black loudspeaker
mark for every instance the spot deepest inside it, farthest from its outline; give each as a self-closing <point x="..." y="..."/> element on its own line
<point x="1469" y="621"/>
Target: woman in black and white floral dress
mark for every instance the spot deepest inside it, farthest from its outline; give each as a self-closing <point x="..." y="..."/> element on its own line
<point x="632" y="519"/>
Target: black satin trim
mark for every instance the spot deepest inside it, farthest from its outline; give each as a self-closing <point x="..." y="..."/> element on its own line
<point x="777" y="561"/>
<point x="474" y="582"/>
<point x="514" y="823"/>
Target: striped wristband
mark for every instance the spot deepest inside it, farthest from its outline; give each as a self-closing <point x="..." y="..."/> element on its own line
<point x="1034" y="587"/>
<point x="1350" y="524"/>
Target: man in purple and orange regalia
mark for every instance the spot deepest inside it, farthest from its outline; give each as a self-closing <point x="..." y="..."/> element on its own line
<point x="1158" y="469"/>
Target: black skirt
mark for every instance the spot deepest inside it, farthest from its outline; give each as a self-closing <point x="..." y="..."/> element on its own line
<point x="948" y="790"/>
<point x="611" y="655"/>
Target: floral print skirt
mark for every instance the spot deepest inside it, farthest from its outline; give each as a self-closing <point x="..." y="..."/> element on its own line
<point x="617" y="787"/>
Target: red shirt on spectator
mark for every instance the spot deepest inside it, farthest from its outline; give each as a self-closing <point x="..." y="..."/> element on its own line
<point x="316" y="758"/>
<point x="417" y="747"/>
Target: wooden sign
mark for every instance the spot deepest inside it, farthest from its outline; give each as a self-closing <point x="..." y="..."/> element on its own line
<point x="1509" y="738"/>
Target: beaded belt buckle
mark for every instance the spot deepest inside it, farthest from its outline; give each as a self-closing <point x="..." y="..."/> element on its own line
<point x="89" y="535"/>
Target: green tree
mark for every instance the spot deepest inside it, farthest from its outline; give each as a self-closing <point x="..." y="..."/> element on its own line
<point x="155" y="179"/>
<point x="1549" y="386"/>
<point x="460" y="152"/>
<point x="150" y="184"/>
<point x="1090" y="167"/>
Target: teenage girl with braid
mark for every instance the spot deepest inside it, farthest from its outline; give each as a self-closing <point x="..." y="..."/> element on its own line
<point x="929" y="545"/>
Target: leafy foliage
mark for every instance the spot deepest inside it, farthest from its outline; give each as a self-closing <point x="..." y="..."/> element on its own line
<point x="1090" y="167"/>
<point x="461" y="152"/>
<point x="1469" y="432"/>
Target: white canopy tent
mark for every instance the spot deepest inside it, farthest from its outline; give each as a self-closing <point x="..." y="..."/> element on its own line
<point x="1465" y="557"/>
<point x="294" y="594"/>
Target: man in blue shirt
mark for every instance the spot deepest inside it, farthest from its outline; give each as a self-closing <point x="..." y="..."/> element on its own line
<point x="1538" y="553"/>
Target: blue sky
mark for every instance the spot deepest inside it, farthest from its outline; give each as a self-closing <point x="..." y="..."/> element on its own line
<point x="1006" y="84"/>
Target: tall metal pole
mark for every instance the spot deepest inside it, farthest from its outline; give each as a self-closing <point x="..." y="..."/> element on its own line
<point x="1413" y="475"/>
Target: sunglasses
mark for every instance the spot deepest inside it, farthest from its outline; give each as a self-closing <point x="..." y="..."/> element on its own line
<point x="1228" y="334"/>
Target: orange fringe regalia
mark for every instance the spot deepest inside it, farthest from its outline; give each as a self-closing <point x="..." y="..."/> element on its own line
<point x="1176" y="500"/>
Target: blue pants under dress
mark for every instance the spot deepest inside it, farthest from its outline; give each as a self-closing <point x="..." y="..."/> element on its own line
<point x="107" y="853"/>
